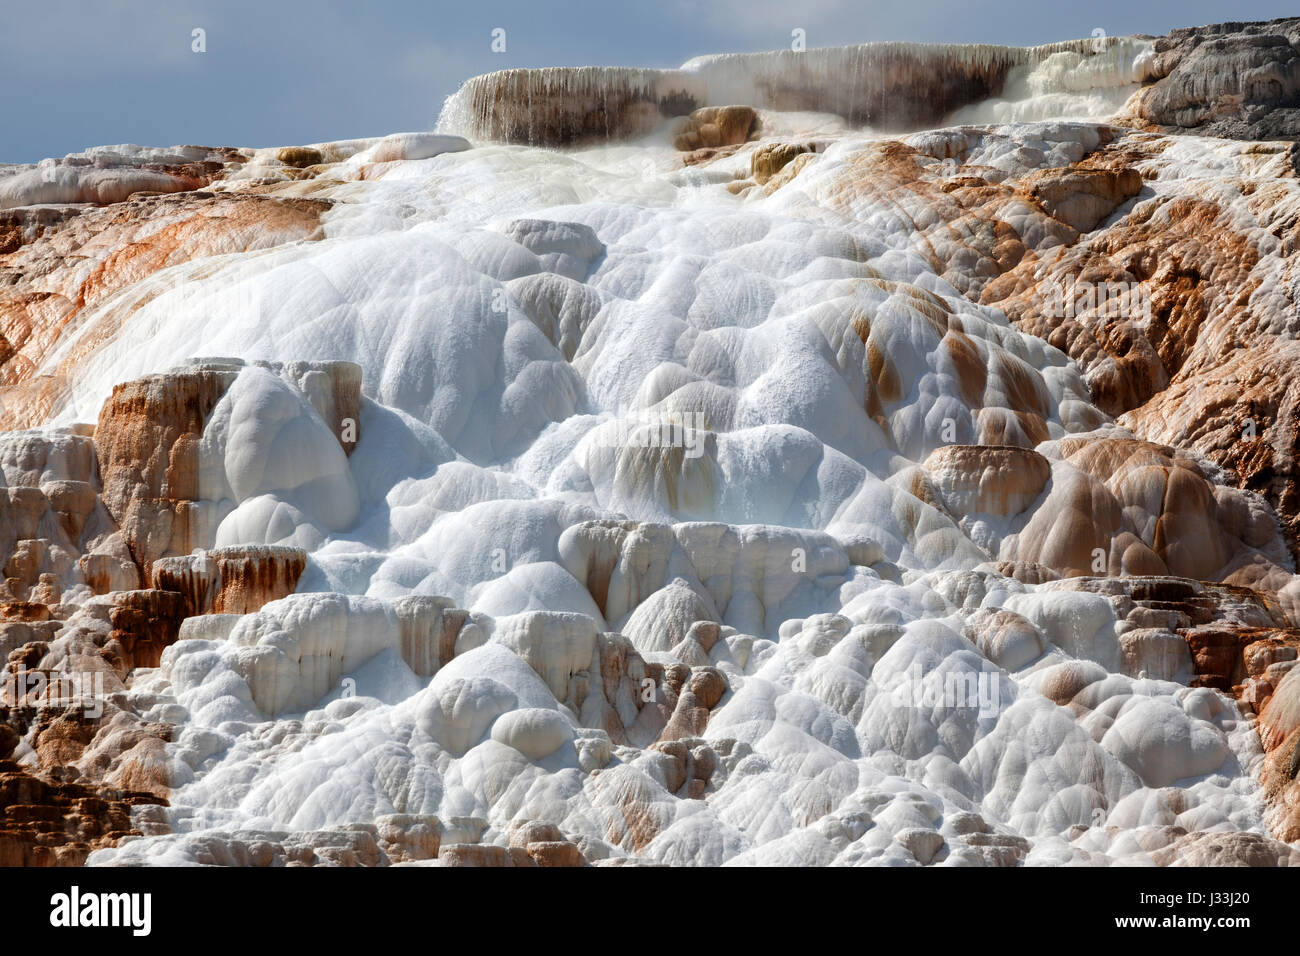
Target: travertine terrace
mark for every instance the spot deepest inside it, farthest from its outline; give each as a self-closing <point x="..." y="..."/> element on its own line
<point x="874" y="455"/>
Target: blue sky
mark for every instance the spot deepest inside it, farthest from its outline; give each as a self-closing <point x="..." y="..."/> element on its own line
<point x="78" y="74"/>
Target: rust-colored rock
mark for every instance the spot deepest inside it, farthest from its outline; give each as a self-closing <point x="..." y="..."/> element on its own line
<point x="1082" y="198"/>
<point x="988" y="479"/>
<point x="147" y="444"/>
<point x="45" y="823"/>
<point x="231" y="580"/>
<point x="484" y="854"/>
<point x="713" y="127"/>
<point x="145" y="623"/>
<point x="770" y="158"/>
<point x="698" y="691"/>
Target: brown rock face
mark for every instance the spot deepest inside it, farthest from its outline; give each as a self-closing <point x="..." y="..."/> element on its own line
<point x="1282" y="789"/>
<point x="144" y="623"/>
<point x="987" y="479"/>
<point x="717" y="126"/>
<point x="429" y="628"/>
<point x="147" y="442"/>
<point x="60" y="695"/>
<point x="546" y="845"/>
<point x="1238" y="640"/>
<point x="1082" y="198"/>
<point x="231" y="580"/>
<point x="484" y="855"/>
<point x="44" y="823"/>
<point x="50" y="516"/>
<point x="1236" y="659"/>
<point x="66" y="662"/>
<point x="1245" y="416"/>
<point x="770" y="158"/>
<point x="1280" y="733"/>
<point x="1174" y="312"/>
<point x="300" y="157"/>
<point x="697" y="691"/>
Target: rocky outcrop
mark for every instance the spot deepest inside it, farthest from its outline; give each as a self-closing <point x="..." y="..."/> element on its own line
<point x="44" y="823"/>
<point x="989" y="479"/>
<point x="147" y="442"/>
<point x="1082" y="198"/>
<point x="1279" y="726"/>
<point x="1209" y="849"/>
<point x="69" y="653"/>
<point x="569" y="106"/>
<point x="1240" y="80"/>
<point x="531" y="845"/>
<point x="230" y="580"/>
<point x="1237" y="80"/>
<point x="717" y="126"/>
<point x="1233" y="639"/>
<point x="145" y="623"/>
<point x="770" y="158"/>
<point x="1148" y="305"/>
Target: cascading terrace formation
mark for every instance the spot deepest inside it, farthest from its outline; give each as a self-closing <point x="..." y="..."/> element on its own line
<point x="882" y="454"/>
